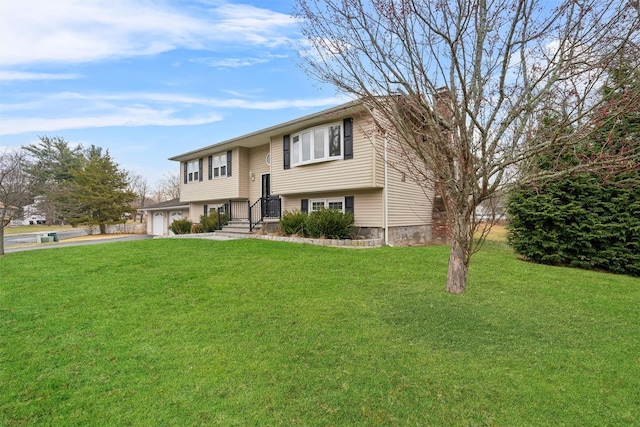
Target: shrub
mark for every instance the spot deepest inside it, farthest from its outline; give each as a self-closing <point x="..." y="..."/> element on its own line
<point x="181" y="226"/>
<point x="580" y="221"/>
<point x="196" y="228"/>
<point x="292" y="223"/>
<point x="210" y="222"/>
<point x="330" y="224"/>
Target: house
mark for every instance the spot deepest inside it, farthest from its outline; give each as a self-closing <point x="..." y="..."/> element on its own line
<point x="331" y="159"/>
<point x="161" y="215"/>
<point x="32" y="213"/>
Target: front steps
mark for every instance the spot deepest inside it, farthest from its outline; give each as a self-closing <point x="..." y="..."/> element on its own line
<point x="237" y="230"/>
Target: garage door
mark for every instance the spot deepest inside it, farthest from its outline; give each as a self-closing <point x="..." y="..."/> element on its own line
<point x="172" y="217"/>
<point x="158" y="224"/>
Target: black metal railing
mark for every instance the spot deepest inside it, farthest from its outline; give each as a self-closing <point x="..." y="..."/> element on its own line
<point x="255" y="215"/>
<point x="269" y="207"/>
<point x="236" y="210"/>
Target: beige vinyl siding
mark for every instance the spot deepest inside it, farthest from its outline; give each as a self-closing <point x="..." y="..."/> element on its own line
<point x="408" y="202"/>
<point x="195" y="211"/>
<point x="243" y="170"/>
<point x="368" y="207"/>
<point x="378" y="161"/>
<point x="257" y="165"/>
<point x="333" y="175"/>
<point x="217" y="188"/>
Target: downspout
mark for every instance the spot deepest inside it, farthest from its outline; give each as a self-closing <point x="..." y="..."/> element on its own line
<point x="386" y="196"/>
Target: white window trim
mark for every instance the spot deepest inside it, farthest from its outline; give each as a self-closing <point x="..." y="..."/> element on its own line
<point x="193" y="167"/>
<point x="221" y="160"/>
<point x="297" y="160"/>
<point x="326" y="202"/>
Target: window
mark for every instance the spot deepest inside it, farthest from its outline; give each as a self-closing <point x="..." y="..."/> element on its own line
<point x="219" y="164"/>
<point x="317" y="144"/>
<point x="192" y="170"/>
<point x="344" y="205"/>
<point x="334" y="203"/>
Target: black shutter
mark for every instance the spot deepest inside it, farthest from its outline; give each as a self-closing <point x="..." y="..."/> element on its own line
<point x="185" y="172"/>
<point x="229" y="163"/>
<point x="200" y="177"/>
<point x="206" y="210"/>
<point x="348" y="138"/>
<point x="285" y="149"/>
<point x="348" y="204"/>
<point x="304" y="205"/>
<point x="210" y="167"/>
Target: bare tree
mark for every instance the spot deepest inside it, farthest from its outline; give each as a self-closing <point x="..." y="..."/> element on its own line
<point x="461" y="83"/>
<point x="168" y="187"/>
<point x="140" y="186"/>
<point x="15" y="189"/>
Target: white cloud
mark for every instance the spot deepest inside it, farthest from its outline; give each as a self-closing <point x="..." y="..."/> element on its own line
<point x="230" y="62"/>
<point x="236" y="62"/>
<point x="25" y="75"/>
<point x="75" y="31"/>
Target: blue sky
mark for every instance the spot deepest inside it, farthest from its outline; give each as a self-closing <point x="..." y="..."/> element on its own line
<point x="149" y="79"/>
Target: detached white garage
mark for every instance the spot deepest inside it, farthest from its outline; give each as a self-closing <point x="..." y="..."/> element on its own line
<point x="161" y="215"/>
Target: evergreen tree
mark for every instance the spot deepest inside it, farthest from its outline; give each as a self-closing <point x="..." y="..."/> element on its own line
<point x="51" y="165"/>
<point x="581" y="215"/>
<point x="98" y="193"/>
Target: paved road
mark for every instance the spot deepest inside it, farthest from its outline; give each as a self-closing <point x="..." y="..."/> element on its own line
<point x="30" y="239"/>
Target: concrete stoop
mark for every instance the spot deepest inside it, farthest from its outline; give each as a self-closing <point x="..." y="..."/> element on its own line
<point x="237" y="230"/>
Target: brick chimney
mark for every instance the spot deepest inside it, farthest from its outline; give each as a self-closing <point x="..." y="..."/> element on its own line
<point x="443" y="105"/>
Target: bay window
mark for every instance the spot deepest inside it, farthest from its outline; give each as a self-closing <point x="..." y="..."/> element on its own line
<point x="317" y="144"/>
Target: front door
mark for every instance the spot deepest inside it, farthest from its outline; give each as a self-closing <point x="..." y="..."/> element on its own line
<point x="266" y="192"/>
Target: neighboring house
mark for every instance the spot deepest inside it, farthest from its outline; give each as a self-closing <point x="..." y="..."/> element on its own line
<point x="161" y="215"/>
<point x="32" y="214"/>
<point x="330" y="159"/>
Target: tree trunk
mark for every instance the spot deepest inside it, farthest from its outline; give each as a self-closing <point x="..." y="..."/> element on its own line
<point x="103" y="228"/>
<point x="457" y="274"/>
<point x="1" y="238"/>
<point x="459" y="257"/>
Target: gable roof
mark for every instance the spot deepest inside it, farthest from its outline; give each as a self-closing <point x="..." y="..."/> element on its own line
<point x="264" y="136"/>
<point x="169" y="204"/>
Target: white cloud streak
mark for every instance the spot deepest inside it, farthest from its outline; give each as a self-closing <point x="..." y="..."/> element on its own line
<point x="187" y="100"/>
<point x="237" y="62"/>
<point x="25" y="75"/>
<point x="134" y="109"/>
<point x="134" y="117"/>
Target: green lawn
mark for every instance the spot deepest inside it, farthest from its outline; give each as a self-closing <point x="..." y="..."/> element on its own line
<point x="195" y="332"/>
